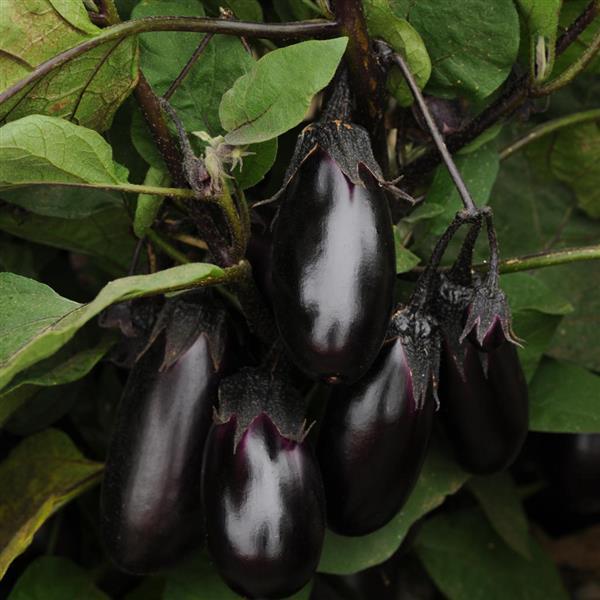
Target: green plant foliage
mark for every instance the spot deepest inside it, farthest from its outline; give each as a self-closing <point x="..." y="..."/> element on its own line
<point x="87" y="90"/>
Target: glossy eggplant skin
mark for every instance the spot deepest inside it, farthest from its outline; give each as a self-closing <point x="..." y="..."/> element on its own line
<point x="264" y="505"/>
<point x="372" y="444"/>
<point x="485" y="417"/>
<point x="333" y="270"/>
<point x="150" y="498"/>
<point x="572" y="464"/>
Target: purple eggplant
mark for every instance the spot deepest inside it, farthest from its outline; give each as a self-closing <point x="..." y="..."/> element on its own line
<point x="484" y="406"/>
<point x="372" y="445"/>
<point x="333" y="270"/>
<point x="264" y="505"/>
<point x="150" y="499"/>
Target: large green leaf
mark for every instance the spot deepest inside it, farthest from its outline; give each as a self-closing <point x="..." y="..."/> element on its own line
<point x="499" y="500"/>
<point x="105" y="234"/>
<point x="564" y="398"/>
<point x="575" y="158"/>
<point x="533" y="213"/>
<point x="468" y="561"/>
<point x="439" y="478"/>
<point x="48" y="150"/>
<point x="35" y="321"/>
<point x="88" y="89"/>
<point x="275" y="94"/>
<point x="40" y="475"/>
<point x="472" y="44"/>
<point x="384" y="24"/>
<point x="55" y="578"/>
<point x="147" y="206"/>
<point x="537" y="311"/>
<point x="62" y="202"/>
<point x="69" y="364"/>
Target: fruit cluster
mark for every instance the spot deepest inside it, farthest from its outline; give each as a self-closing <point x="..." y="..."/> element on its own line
<point x="206" y="446"/>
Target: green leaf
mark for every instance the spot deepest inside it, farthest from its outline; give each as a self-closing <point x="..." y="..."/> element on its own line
<point x="245" y="10"/>
<point x="55" y="578"/>
<point x="499" y="500"/>
<point x="537" y="331"/>
<point x="35" y="321"/>
<point x="541" y="19"/>
<point x="69" y="364"/>
<point x="564" y="398"/>
<point x="537" y="311"/>
<point x="63" y="202"/>
<point x="197" y="579"/>
<point x="383" y="23"/>
<point x="479" y="170"/>
<point x="405" y="259"/>
<point x="526" y="292"/>
<point x="88" y="89"/>
<point x="104" y="234"/>
<point x="439" y="478"/>
<point x="275" y="95"/>
<point x="472" y="44"/>
<point x="468" y="561"/>
<point x="47" y="150"/>
<point x="575" y="158"/>
<point x="147" y="206"/>
<point x="424" y="212"/>
<point x="44" y="472"/>
<point x="257" y="164"/>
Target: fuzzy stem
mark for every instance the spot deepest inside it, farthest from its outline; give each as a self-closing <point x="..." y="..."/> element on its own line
<point x="549" y="127"/>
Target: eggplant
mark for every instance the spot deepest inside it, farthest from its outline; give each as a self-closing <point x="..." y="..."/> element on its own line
<point x="333" y="269"/>
<point x="372" y="444"/>
<point x="484" y="406"/>
<point x="150" y="498"/>
<point x="572" y="465"/>
<point x="264" y="503"/>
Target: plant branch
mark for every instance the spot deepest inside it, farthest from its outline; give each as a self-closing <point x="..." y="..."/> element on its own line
<point x="433" y="130"/>
<point x="546" y="259"/>
<point x="549" y="127"/>
<point x="517" y="91"/>
<point x="167" y="248"/>
<point x="299" y="30"/>
<point x="130" y="188"/>
<point x="152" y="112"/>
<point x="188" y="66"/>
<point x="362" y="64"/>
<point x="537" y="261"/>
<point x="571" y="71"/>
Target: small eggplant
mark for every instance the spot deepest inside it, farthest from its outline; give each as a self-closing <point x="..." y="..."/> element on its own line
<point x="261" y="487"/>
<point x="333" y="269"/>
<point x="484" y="406"/>
<point x="150" y="497"/>
<point x="372" y="444"/>
<point x="263" y="499"/>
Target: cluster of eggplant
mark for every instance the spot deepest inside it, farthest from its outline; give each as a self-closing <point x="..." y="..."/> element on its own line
<point x="198" y="452"/>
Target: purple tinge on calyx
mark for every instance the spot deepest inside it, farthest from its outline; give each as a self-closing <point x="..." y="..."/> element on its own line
<point x="488" y="319"/>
